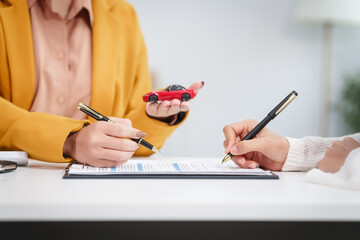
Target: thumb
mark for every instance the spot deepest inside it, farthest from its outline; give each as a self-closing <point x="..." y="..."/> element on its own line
<point x="253" y="145"/>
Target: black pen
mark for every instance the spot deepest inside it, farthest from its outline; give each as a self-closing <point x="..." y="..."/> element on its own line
<point x="271" y="115"/>
<point x="99" y="117"/>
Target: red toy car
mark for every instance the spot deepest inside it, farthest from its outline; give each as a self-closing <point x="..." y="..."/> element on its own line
<point x="170" y="93"/>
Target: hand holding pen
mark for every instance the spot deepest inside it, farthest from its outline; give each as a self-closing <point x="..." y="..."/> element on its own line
<point x="99" y="117"/>
<point x="267" y="150"/>
<point x="101" y="144"/>
<point x="249" y="144"/>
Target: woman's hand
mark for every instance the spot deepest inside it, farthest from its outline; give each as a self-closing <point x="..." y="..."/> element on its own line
<point x="335" y="156"/>
<point x="267" y="149"/>
<point x="103" y="144"/>
<point x="167" y="110"/>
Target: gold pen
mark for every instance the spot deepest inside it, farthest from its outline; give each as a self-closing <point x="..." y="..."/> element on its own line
<point x="67" y="169"/>
<point x="271" y="115"/>
<point x="99" y="117"/>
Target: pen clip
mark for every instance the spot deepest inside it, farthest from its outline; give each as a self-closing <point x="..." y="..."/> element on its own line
<point x="82" y="107"/>
<point x="92" y="113"/>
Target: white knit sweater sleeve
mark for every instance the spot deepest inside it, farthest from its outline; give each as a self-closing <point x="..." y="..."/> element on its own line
<point x="305" y="153"/>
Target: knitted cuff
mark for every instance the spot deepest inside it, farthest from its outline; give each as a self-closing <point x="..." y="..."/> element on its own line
<point x="295" y="158"/>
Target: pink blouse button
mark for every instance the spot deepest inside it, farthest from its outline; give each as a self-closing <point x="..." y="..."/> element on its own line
<point x="60" y="56"/>
<point x="60" y="100"/>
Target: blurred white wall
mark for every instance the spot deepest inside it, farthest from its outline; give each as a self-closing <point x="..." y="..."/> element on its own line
<point x="250" y="54"/>
<point x="346" y="61"/>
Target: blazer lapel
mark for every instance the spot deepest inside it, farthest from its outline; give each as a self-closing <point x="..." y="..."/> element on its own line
<point x="106" y="42"/>
<point x="19" y="46"/>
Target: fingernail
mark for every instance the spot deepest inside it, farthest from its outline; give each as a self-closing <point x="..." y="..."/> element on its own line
<point x="241" y="161"/>
<point x="234" y="150"/>
<point x="252" y="165"/>
<point x="140" y="134"/>
<point x="202" y="84"/>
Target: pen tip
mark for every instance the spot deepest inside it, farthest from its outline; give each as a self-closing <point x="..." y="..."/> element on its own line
<point x="156" y="150"/>
<point x="226" y="158"/>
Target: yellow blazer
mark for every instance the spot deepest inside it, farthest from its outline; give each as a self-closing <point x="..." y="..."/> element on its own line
<point x="120" y="77"/>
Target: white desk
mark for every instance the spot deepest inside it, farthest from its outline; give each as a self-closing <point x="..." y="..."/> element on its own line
<point x="38" y="193"/>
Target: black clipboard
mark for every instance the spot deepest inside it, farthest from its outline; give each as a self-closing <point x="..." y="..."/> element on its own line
<point x="170" y="176"/>
<point x="165" y="169"/>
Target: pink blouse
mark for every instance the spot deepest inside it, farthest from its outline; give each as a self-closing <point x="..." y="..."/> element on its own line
<point x="63" y="55"/>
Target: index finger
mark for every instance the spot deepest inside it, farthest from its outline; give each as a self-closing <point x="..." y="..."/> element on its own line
<point x="120" y="130"/>
<point x="239" y="129"/>
<point x="124" y="121"/>
<point x="230" y="136"/>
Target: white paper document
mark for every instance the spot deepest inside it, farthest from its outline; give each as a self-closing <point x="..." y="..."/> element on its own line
<point x="169" y="167"/>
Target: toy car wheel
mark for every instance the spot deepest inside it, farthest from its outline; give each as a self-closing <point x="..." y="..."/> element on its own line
<point x="153" y="98"/>
<point x="185" y="97"/>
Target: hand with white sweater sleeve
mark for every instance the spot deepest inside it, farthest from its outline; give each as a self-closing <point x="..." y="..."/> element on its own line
<point x="306" y="153"/>
<point x="274" y="152"/>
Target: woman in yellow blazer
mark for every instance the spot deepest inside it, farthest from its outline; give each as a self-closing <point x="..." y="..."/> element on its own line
<point x="117" y="44"/>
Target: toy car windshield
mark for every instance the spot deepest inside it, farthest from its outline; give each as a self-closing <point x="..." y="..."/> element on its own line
<point x="174" y="88"/>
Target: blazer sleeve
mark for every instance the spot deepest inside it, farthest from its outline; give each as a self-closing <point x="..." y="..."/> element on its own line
<point x="157" y="131"/>
<point x="41" y="135"/>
